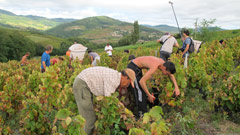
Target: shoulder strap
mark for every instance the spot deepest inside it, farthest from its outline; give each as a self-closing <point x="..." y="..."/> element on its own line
<point x="167" y="39"/>
<point x="190" y="40"/>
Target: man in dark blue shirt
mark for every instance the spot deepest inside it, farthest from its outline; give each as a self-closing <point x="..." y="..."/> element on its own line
<point x="45" y="59"/>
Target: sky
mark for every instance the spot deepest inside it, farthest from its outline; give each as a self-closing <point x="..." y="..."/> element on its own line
<point x="151" y="12"/>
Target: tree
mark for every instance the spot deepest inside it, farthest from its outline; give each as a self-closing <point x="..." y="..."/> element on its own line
<point x="126" y="40"/>
<point x="205" y="30"/>
<point x="130" y="38"/>
<point x="135" y="34"/>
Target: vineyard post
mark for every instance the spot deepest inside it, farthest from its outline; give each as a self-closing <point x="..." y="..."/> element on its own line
<point x="175" y="17"/>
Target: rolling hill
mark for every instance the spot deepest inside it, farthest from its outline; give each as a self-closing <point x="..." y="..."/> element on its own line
<point x="101" y="29"/>
<point x="8" y="19"/>
<point x="164" y="28"/>
<point x="37" y="37"/>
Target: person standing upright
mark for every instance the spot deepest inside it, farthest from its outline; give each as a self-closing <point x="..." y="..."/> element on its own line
<point x="45" y="59"/>
<point x="186" y="44"/>
<point x="108" y="49"/>
<point x="168" y="42"/>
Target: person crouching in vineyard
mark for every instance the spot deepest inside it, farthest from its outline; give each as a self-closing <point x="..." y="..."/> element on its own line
<point x="140" y="92"/>
<point x="24" y="59"/>
<point x="94" y="57"/>
<point x="56" y="60"/>
<point x="98" y="81"/>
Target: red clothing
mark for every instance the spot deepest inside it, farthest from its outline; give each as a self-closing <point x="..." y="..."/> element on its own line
<point x="54" y="61"/>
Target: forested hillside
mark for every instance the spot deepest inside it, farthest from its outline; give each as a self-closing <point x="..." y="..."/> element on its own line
<point x="101" y="29"/>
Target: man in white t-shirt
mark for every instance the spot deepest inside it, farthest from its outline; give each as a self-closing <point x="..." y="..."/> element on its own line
<point x="168" y="42"/>
<point x="108" y="49"/>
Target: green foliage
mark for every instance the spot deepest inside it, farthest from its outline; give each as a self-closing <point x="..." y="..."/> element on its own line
<point x="205" y="32"/>
<point x="113" y="117"/>
<point x="126" y="40"/>
<point x="186" y="123"/>
<point x="64" y="124"/>
<point x="213" y="70"/>
<point x="152" y="124"/>
<point x="132" y="38"/>
<point x="43" y="103"/>
<point x="135" y="33"/>
<point x="14" y="46"/>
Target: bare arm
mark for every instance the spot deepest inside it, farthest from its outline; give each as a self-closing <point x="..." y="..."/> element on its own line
<point x="177" y="45"/>
<point x="23" y="61"/>
<point x="44" y="65"/>
<point x="176" y="89"/>
<point x="143" y="80"/>
<point x="91" y="58"/>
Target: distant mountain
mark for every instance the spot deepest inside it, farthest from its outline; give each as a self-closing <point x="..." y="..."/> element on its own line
<point x="172" y="29"/>
<point x="164" y="28"/>
<point x="6" y="12"/>
<point x="63" y="20"/>
<point x="101" y="29"/>
<point x="215" y="29"/>
<point x="29" y="21"/>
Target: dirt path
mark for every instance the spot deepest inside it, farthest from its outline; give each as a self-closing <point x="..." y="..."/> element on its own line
<point x="218" y="128"/>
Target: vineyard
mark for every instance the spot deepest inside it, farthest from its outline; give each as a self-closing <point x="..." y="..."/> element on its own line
<point x="43" y="103"/>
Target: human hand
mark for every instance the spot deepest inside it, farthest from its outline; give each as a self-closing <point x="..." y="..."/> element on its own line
<point x="151" y="98"/>
<point x="176" y="91"/>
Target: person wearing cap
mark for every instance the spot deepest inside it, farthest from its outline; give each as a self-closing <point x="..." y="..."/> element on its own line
<point x="98" y="81"/>
<point x="168" y="42"/>
<point x="140" y="92"/>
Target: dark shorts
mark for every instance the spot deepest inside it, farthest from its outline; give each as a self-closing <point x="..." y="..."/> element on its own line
<point x="140" y="96"/>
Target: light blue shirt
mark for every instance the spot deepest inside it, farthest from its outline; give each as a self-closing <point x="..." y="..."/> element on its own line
<point x="186" y="42"/>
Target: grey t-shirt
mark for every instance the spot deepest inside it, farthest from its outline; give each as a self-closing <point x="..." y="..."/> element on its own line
<point x="93" y="54"/>
<point x="168" y="45"/>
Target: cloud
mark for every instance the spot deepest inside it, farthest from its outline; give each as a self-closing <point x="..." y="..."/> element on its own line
<point x="153" y="12"/>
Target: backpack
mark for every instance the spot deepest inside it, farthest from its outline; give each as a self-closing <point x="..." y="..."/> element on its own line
<point x="191" y="46"/>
